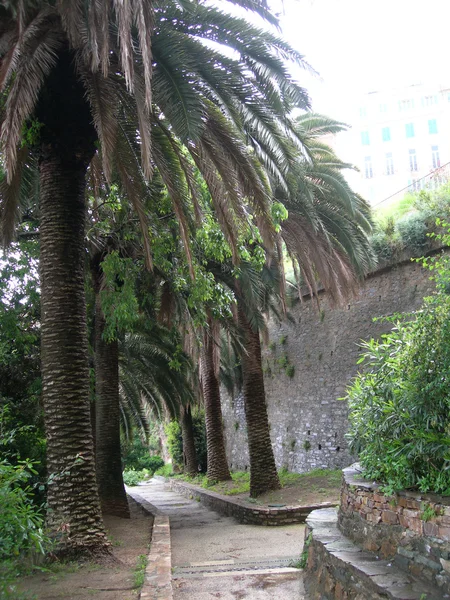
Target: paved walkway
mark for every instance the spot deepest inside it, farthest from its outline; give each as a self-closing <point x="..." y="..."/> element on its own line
<point x="215" y="557"/>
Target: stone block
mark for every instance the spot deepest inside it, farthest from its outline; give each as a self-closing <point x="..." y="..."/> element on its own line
<point x="430" y="529"/>
<point x="444" y="533"/>
<point x="390" y="517"/>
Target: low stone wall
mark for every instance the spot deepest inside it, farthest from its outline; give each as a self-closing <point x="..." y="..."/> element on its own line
<point x="252" y="515"/>
<point x="338" y="569"/>
<point x="410" y="528"/>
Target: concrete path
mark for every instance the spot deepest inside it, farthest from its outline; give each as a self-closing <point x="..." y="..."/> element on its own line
<point x="215" y="557"/>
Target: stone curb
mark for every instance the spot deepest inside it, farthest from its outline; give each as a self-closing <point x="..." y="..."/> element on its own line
<point x="158" y="574"/>
<point x="252" y="515"/>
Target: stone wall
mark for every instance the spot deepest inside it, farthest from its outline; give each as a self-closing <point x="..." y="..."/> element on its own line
<point x="409" y="528"/>
<point x="321" y="345"/>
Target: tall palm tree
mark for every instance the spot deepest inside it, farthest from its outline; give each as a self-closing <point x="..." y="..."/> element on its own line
<point x="218" y="469"/>
<point x="326" y="236"/>
<point x="78" y="74"/>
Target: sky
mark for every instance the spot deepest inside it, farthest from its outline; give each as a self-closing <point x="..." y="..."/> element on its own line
<point x="359" y="46"/>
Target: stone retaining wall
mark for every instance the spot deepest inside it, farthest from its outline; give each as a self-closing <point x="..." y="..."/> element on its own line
<point x="411" y="528"/>
<point x="249" y="514"/>
<point x="308" y="421"/>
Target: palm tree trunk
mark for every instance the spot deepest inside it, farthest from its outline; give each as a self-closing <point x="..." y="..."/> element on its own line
<point x="263" y="471"/>
<point x="187" y="433"/>
<point x="67" y="144"/>
<point x="108" y="460"/>
<point x="215" y="444"/>
<point x="73" y="504"/>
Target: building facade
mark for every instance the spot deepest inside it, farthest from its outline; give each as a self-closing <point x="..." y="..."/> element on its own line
<point x="399" y="140"/>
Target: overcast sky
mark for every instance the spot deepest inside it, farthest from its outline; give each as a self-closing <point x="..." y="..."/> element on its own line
<point x="361" y="45"/>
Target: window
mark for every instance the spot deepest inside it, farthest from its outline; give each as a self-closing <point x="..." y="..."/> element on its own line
<point x="368" y="171"/>
<point x="432" y="126"/>
<point x="429" y="100"/>
<point x="365" y="138"/>
<point x="389" y="164"/>
<point x="412" y="160"/>
<point x="406" y="104"/>
<point x="386" y="134"/>
<point x="409" y="130"/>
<point x="435" y="157"/>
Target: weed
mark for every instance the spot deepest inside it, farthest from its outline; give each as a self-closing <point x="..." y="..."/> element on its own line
<point x="290" y="371"/>
<point x="139" y="571"/>
<point x="307" y="445"/>
<point x="283" y="340"/>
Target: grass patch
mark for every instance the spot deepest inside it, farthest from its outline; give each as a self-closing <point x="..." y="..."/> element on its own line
<point x="318" y="480"/>
<point x="139" y="571"/>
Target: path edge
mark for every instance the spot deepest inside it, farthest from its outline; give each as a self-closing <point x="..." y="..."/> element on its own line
<point x="158" y="573"/>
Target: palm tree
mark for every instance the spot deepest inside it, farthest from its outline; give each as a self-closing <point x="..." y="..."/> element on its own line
<point x="187" y="434"/>
<point x="77" y="73"/>
<point x="218" y="469"/>
<point x="108" y="460"/>
<point x="326" y="236"/>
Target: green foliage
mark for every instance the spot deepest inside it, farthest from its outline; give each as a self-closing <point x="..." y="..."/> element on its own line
<point x="165" y="471"/>
<point x="139" y="571"/>
<point x="135" y="455"/>
<point x="118" y="298"/>
<point x="175" y="441"/>
<point x="290" y="371"/>
<point x="21" y="525"/>
<point x="400" y="404"/>
<point x="21" y="418"/>
<point x="406" y="225"/>
<point x="132" y="477"/>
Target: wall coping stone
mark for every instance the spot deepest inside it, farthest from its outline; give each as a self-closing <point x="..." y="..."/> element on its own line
<point x="158" y="573"/>
<point x="353" y="477"/>
<point x="337" y="568"/>
<point x="243" y="512"/>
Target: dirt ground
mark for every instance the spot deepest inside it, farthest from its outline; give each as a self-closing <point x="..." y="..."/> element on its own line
<point x="116" y="580"/>
<point x="306" y="490"/>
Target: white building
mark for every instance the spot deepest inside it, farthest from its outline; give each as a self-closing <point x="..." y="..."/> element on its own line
<point x="398" y="137"/>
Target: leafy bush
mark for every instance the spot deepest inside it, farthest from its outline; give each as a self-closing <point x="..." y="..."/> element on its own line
<point x="400" y="406"/>
<point x="405" y="225"/>
<point x="21" y="524"/>
<point x="165" y="471"/>
<point x="135" y="455"/>
<point x="132" y="477"/>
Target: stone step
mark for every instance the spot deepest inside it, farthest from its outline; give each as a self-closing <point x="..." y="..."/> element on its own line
<point x="338" y="569"/>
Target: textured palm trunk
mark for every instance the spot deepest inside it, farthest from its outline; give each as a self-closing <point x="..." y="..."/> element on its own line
<point x="215" y="444"/>
<point x="187" y="433"/>
<point x="67" y="145"/>
<point x="108" y="459"/>
<point x="263" y="471"/>
<point x="73" y="504"/>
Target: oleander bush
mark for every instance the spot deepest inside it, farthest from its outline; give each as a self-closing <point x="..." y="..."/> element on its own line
<point x="400" y="403"/>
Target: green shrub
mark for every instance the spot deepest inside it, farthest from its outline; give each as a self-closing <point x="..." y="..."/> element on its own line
<point x="136" y="455"/>
<point x="413" y="232"/>
<point x="132" y="477"/>
<point x="165" y="471"/>
<point x="400" y="406"/>
<point x="22" y="535"/>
